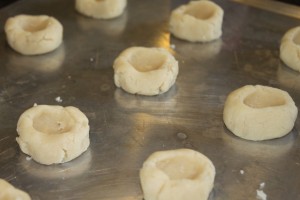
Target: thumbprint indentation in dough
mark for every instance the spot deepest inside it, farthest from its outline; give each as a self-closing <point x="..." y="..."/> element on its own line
<point x="180" y="167"/>
<point x="296" y="38"/>
<point x="53" y="122"/>
<point x="264" y="98"/>
<point x="146" y="60"/>
<point x="34" y="24"/>
<point x="207" y="11"/>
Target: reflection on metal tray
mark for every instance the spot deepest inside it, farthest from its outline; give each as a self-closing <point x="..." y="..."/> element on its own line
<point x="126" y="129"/>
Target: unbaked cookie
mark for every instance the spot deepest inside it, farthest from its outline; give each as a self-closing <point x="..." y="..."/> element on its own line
<point x="53" y="134"/>
<point x="101" y="9"/>
<point x="146" y="71"/>
<point x="33" y="35"/>
<point x="259" y="112"/>
<point x="198" y="21"/>
<point x="9" y="192"/>
<point x="177" y="175"/>
<point x="290" y="48"/>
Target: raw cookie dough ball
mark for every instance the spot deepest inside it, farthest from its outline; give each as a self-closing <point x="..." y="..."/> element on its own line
<point x="146" y="71"/>
<point x="33" y="35"/>
<point x="101" y="9"/>
<point x="177" y="175"/>
<point x="290" y="48"/>
<point x="259" y="112"/>
<point x="9" y="192"/>
<point x="198" y="21"/>
<point x="53" y="134"/>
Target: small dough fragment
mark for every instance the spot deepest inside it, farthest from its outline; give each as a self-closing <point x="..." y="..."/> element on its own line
<point x="198" y="21"/>
<point x="177" y="175"/>
<point x="145" y="71"/>
<point x="290" y="48"/>
<point x="9" y="192"/>
<point x="33" y="35"/>
<point x="259" y="112"/>
<point x="101" y="9"/>
<point x="53" y="134"/>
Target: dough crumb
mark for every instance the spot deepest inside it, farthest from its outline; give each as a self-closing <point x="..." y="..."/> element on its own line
<point x="28" y="158"/>
<point x="261" y="195"/>
<point x="35" y="104"/>
<point x="262" y="185"/>
<point x="58" y="99"/>
<point x="173" y="46"/>
<point x="242" y="172"/>
<point x="181" y="136"/>
<point x="92" y="59"/>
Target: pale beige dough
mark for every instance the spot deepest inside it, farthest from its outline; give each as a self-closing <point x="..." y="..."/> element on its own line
<point x="145" y="71"/>
<point x="53" y="134"/>
<point x="198" y="21"/>
<point x="177" y="175"/>
<point x="290" y="48"/>
<point x="101" y="9"/>
<point x="259" y="112"/>
<point x="9" y="192"/>
<point x="33" y="35"/>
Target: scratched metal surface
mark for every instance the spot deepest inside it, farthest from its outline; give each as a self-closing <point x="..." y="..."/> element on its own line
<point x="126" y="129"/>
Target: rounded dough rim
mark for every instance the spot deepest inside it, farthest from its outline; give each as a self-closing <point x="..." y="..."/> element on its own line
<point x="290" y="50"/>
<point x="105" y="9"/>
<point x="193" y="29"/>
<point x="150" y="82"/>
<point x="258" y="124"/>
<point x="51" y="148"/>
<point x="40" y="39"/>
<point x="8" y="191"/>
<point x="157" y="185"/>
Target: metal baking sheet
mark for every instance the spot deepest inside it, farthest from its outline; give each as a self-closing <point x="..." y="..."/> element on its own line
<point x="126" y="129"/>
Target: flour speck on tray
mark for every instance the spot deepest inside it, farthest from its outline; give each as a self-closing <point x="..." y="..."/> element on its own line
<point x="242" y="172"/>
<point x="58" y="99"/>
<point x="173" y="46"/>
<point x="28" y="158"/>
<point x="262" y="185"/>
<point x="260" y="194"/>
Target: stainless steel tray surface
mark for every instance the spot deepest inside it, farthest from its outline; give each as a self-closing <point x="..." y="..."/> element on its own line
<point x="125" y="128"/>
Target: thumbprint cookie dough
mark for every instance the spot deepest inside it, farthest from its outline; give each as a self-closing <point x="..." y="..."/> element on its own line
<point x="198" y="21"/>
<point x="145" y="71"/>
<point x="53" y="134"/>
<point x="33" y="35"/>
<point x="101" y="9"/>
<point x="290" y="48"/>
<point x="259" y="112"/>
<point x="177" y="174"/>
<point x="9" y="192"/>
